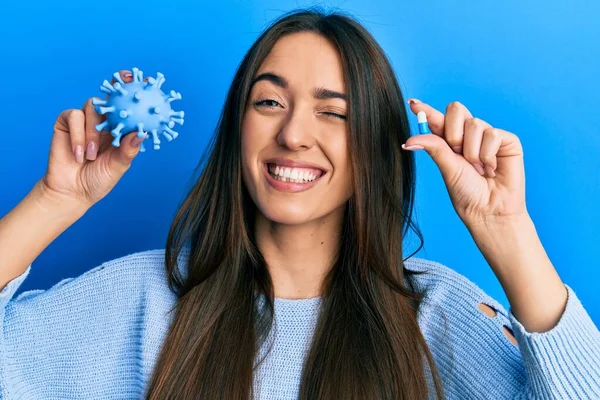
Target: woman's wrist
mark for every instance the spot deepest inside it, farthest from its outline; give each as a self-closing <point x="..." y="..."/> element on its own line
<point x="61" y="206"/>
<point x="31" y="226"/>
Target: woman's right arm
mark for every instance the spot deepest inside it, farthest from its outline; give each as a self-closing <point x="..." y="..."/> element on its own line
<point x="31" y="226"/>
<point x="73" y="182"/>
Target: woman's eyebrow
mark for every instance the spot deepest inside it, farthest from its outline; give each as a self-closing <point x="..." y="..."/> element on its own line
<point x="318" y="93"/>
<point x="325" y="94"/>
<point x="271" y="77"/>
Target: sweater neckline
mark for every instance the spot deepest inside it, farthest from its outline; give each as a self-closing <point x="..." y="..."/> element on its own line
<point x="297" y="301"/>
<point x="302" y="301"/>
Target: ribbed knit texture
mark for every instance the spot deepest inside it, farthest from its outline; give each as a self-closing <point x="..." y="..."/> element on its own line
<point x="98" y="336"/>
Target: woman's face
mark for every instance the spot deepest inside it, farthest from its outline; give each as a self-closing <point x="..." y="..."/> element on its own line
<point x="294" y="141"/>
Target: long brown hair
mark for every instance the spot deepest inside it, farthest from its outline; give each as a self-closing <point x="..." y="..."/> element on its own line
<point x="367" y="343"/>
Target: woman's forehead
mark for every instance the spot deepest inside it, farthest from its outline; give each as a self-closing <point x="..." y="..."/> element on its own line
<point x="305" y="59"/>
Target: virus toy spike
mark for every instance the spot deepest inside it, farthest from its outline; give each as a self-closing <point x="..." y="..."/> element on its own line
<point x="138" y="106"/>
<point x="160" y="79"/>
<point x="107" y="87"/>
<point x="118" y="78"/>
<point x="136" y="75"/>
<point x="173" y="95"/>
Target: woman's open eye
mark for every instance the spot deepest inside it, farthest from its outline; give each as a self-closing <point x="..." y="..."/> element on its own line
<point x="261" y="102"/>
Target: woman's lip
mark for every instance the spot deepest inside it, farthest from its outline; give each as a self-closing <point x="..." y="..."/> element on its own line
<point x="286" y="162"/>
<point x="288" y="186"/>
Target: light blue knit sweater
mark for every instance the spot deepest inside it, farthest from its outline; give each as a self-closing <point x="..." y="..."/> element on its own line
<point x="98" y="336"/>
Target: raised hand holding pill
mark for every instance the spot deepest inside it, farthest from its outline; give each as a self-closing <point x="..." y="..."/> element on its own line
<point x="482" y="166"/>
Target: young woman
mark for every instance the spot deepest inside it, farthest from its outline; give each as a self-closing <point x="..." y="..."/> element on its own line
<point x="283" y="275"/>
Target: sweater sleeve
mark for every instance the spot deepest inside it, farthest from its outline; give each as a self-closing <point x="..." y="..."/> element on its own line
<point x="7" y="293"/>
<point x="47" y="337"/>
<point x="86" y="336"/>
<point x="563" y="362"/>
<point x="477" y="360"/>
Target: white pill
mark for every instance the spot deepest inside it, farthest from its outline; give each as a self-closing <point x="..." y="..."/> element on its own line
<point x="421" y="117"/>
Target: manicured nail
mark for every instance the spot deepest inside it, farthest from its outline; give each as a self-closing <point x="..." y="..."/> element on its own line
<point x="479" y="169"/>
<point x="414" y="101"/>
<point x="457" y="149"/>
<point x="91" y="151"/>
<point x="79" y="154"/>
<point x="490" y="171"/>
<point x="136" y="140"/>
<point x="413" y="147"/>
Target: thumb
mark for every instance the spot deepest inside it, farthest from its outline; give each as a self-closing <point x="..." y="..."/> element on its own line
<point x="446" y="159"/>
<point x="129" y="148"/>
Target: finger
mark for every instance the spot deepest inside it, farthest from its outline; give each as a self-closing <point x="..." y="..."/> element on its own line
<point x="62" y="146"/>
<point x="105" y="142"/>
<point x="456" y="115"/>
<point x="76" y="127"/>
<point x="435" y="119"/>
<point x="489" y="147"/>
<point x="93" y="120"/>
<point x="508" y="155"/>
<point x="448" y="162"/>
<point x="473" y="137"/>
<point x="129" y="147"/>
<point x="125" y="75"/>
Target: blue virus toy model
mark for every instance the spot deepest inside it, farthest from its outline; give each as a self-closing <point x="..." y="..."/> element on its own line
<point x="138" y="106"/>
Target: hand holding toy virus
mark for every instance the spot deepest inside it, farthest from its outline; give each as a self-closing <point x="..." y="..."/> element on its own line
<point x="94" y="146"/>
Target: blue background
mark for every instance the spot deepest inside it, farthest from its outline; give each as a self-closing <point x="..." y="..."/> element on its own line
<point x="527" y="67"/>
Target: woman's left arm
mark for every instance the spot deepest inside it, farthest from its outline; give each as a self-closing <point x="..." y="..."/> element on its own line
<point x="536" y="294"/>
<point x="483" y="170"/>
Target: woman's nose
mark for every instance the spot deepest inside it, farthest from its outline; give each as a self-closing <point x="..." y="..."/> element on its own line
<point x="298" y="131"/>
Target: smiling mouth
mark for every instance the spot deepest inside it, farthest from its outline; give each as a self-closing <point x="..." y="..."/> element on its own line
<point x="294" y="175"/>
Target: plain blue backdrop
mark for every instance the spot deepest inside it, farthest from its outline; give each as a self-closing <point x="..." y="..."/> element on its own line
<point x="527" y="67"/>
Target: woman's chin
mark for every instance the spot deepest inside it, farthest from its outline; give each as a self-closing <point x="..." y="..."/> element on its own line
<point x="287" y="215"/>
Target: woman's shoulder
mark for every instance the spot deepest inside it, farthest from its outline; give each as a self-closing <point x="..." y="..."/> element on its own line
<point x="455" y="319"/>
<point x="123" y="276"/>
<point x="434" y="274"/>
<point x="116" y="314"/>
<point x="443" y="285"/>
<point x="131" y="290"/>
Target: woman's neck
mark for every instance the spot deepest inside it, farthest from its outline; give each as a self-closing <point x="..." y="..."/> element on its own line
<point x="299" y="256"/>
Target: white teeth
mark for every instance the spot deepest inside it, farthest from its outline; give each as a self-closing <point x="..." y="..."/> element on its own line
<point x="286" y="174"/>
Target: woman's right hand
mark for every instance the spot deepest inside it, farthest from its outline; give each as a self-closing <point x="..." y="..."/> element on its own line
<point x="83" y="165"/>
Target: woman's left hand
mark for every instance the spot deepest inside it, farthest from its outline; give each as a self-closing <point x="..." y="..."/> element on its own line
<point x="492" y="206"/>
<point x="482" y="166"/>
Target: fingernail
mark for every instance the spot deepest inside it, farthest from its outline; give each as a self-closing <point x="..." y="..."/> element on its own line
<point x="128" y="75"/>
<point x="413" y="147"/>
<point x="79" y="154"/>
<point x="414" y="101"/>
<point x="91" y="151"/>
<point x="457" y="149"/>
<point x="135" y="142"/>
<point x="479" y="169"/>
<point x="490" y="171"/>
